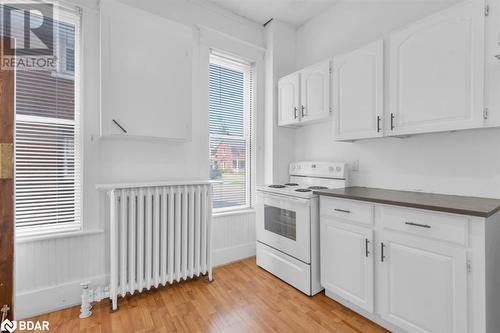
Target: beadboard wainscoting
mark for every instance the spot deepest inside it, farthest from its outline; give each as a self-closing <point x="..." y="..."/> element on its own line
<point x="233" y="236"/>
<point x="49" y="271"/>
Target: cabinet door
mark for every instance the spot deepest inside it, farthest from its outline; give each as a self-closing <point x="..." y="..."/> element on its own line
<point x="146" y="74"/>
<point x="437" y="72"/>
<point x="423" y="284"/>
<point x="492" y="64"/>
<point x="358" y="80"/>
<point x="315" y="92"/>
<point x="347" y="262"/>
<point x="289" y="100"/>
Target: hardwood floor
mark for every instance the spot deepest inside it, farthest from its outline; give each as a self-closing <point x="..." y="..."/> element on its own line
<point x="243" y="298"/>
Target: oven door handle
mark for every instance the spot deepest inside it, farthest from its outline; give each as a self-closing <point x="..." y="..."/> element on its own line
<point x="275" y="198"/>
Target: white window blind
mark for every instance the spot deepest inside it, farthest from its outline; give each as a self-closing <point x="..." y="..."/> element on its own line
<point x="48" y="164"/>
<point x="230" y="122"/>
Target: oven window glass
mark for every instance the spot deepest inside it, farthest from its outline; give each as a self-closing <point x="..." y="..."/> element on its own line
<point x="280" y="221"/>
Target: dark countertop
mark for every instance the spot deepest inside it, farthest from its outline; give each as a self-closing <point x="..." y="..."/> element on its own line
<point x="472" y="206"/>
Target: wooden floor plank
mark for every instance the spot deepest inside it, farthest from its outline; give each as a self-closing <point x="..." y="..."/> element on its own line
<point x="243" y="298"/>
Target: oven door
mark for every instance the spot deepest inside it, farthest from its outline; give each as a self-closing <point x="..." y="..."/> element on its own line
<point x="284" y="223"/>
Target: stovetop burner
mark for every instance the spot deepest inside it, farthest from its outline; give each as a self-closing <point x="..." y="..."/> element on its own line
<point x="303" y="190"/>
<point x="317" y="187"/>
<point x="292" y="184"/>
<point x="277" y="186"/>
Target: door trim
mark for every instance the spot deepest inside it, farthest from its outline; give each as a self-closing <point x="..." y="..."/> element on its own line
<point x="7" y="79"/>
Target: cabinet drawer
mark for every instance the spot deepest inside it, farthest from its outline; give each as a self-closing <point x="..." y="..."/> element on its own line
<point x="451" y="228"/>
<point x="347" y="209"/>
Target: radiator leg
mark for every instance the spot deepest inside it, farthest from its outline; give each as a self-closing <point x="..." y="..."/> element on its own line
<point x="114" y="302"/>
<point x="210" y="276"/>
<point x="86" y="306"/>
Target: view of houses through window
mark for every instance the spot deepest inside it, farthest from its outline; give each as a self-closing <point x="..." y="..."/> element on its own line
<point x="47" y="132"/>
<point x="230" y="123"/>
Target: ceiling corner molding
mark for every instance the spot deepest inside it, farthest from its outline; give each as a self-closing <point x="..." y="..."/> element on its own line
<point x="220" y="41"/>
<point x="209" y="34"/>
<point x="224" y="12"/>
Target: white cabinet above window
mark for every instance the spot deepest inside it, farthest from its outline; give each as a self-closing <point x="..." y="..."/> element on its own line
<point x="304" y="96"/>
<point x="146" y="69"/>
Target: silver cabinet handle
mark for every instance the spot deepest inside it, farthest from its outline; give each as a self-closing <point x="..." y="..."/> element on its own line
<point x="342" y="210"/>
<point x="392" y="121"/>
<point x="295" y="115"/>
<point x="302" y="110"/>
<point x="378" y="124"/>
<point x="382" y="255"/>
<point x="418" y="225"/>
<point x="367" y="253"/>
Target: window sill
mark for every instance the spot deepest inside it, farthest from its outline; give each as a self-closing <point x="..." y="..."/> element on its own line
<point x="26" y="236"/>
<point x="242" y="211"/>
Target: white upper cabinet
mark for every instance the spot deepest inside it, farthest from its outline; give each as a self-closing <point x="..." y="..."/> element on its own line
<point x="304" y="96"/>
<point x="358" y="92"/>
<point x="315" y="92"/>
<point x="423" y="284"/>
<point x="437" y="72"/>
<point x="146" y="70"/>
<point x="289" y="100"/>
<point x="492" y="64"/>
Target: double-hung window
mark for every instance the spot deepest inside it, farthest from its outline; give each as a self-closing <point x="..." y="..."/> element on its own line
<point x="231" y="105"/>
<point x="47" y="141"/>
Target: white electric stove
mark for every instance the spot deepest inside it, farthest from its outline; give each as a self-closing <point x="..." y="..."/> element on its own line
<point x="288" y="223"/>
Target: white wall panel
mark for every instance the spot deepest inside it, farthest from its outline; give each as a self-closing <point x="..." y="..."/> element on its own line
<point x="233" y="237"/>
<point x="43" y="268"/>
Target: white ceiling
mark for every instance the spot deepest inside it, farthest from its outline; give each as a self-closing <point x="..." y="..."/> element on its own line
<point x="295" y="12"/>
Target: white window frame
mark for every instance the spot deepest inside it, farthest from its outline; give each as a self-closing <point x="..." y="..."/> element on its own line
<point x="37" y="231"/>
<point x="233" y="62"/>
<point x="60" y="51"/>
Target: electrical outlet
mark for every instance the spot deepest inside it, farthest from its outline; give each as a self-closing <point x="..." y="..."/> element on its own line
<point x="355" y="165"/>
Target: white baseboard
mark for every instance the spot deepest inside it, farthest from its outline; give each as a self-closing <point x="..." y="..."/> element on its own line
<point x="234" y="253"/>
<point x="35" y="302"/>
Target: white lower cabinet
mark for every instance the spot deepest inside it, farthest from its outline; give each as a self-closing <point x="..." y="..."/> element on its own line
<point x="423" y="284"/>
<point x="412" y="270"/>
<point x="346" y="256"/>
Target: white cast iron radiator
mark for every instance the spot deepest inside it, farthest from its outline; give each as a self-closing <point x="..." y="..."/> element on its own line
<point x="159" y="234"/>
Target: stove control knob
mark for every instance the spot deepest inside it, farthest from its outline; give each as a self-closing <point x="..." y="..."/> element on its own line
<point x="339" y="169"/>
<point x="330" y="169"/>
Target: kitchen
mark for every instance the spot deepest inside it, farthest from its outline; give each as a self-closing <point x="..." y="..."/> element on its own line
<point x="395" y="101"/>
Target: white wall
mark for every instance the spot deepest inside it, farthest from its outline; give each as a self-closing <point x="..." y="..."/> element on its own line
<point x="48" y="271"/>
<point x="466" y="162"/>
<point x="280" y="60"/>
